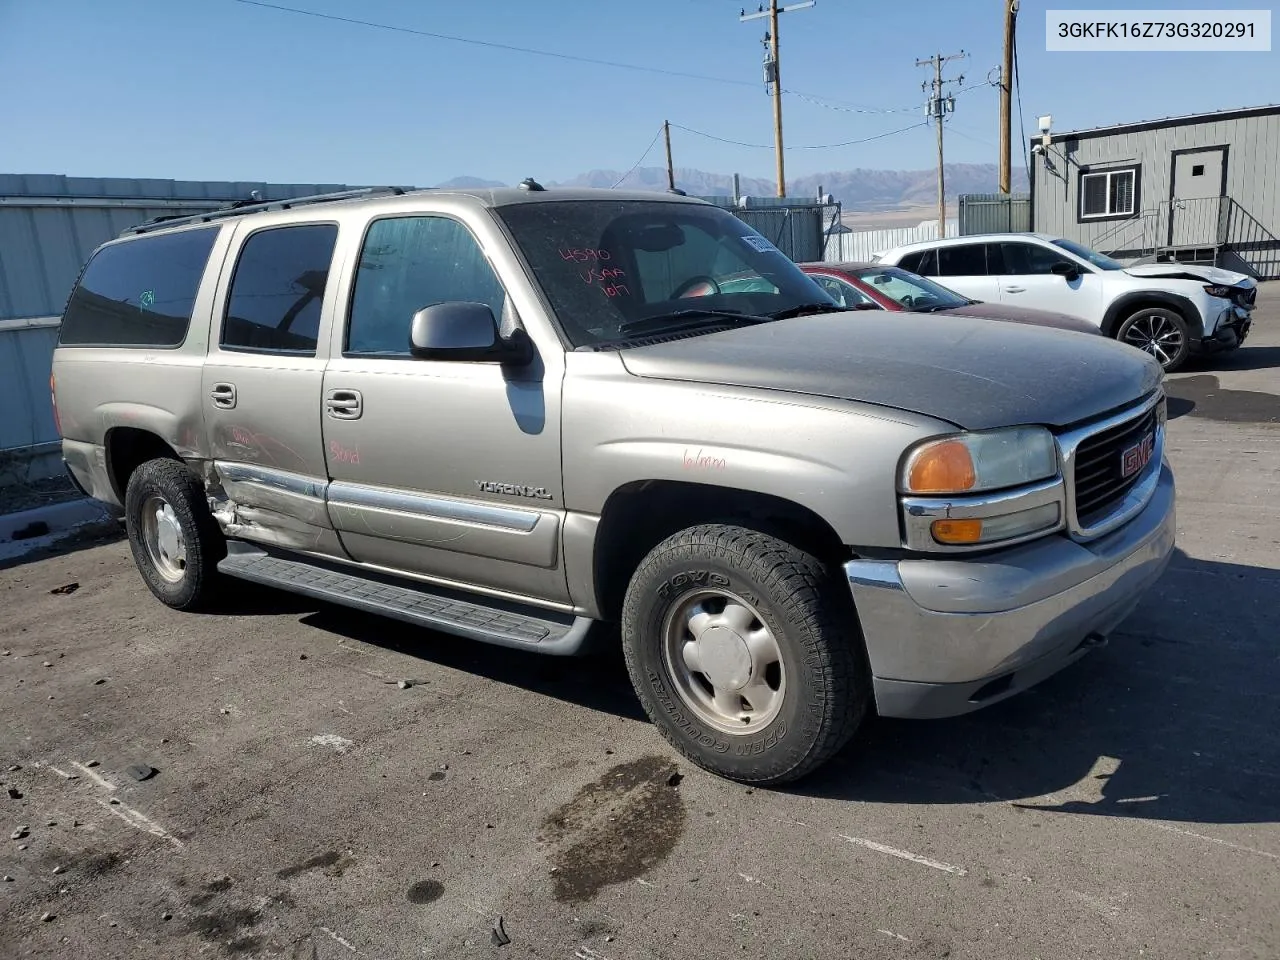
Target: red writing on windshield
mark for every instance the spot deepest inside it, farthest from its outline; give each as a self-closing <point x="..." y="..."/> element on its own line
<point x="585" y="255"/>
<point x="606" y="275"/>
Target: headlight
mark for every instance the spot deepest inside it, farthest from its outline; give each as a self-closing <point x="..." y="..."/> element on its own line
<point x="974" y="462"/>
<point x="1223" y="292"/>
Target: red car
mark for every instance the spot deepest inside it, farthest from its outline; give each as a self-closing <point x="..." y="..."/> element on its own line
<point x="870" y="286"/>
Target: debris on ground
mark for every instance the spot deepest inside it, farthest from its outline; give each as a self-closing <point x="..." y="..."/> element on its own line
<point x="20" y="834"/>
<point x="91" y="764"/>
<point x="7" y="879"/>
<point x="65" y="589"/>
<point x="100" y="681"/>
<point x="674" y="779"/>
<point x="140" y="771"/>
<point x="58" y="870"/>
<point x="499" y="935"/>
<point x="46" y="917"/>
<point x="15" y="793"/>
<point x="404" y="684"/>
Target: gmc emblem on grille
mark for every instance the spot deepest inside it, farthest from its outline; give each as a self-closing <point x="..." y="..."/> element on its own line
<point x="1138" y="456"/>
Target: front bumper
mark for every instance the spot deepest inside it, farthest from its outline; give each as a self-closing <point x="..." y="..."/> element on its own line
<point x="949" y="636"/>
<point x="1229" y="332"/>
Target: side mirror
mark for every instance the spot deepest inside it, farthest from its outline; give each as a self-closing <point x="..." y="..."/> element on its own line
<point x="465" y="332"/>
<point x="1068" y="270"/>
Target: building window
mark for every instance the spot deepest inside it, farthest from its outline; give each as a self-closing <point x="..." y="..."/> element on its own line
<point x="1109" y="193"/>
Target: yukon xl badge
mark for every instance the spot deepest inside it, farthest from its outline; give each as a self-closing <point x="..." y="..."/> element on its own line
<point x="513" y="489"/>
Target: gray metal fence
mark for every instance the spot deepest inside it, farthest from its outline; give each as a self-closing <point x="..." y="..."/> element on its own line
<point x="796" y="227"/>
<point x="994" y="213"/>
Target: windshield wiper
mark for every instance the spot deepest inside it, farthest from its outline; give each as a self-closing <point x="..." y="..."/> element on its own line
<point x="682" y="319"/>
<point x="804" y="309"/>
<point x="936" y="307"/>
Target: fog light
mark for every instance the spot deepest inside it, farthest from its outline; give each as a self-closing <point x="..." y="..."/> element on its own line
<point x="994" y="529"/>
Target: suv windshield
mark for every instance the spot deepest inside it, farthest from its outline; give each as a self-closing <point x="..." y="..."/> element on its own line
<point x="1099" y="260"/>
<point x="615" y="269"/>
<point x="911" y="291"/>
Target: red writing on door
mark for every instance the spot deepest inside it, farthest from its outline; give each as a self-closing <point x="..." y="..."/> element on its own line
<point x="701" y="462"/>
<point x="340" y="454"/>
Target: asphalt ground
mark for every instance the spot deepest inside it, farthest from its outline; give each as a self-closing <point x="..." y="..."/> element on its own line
<point x="302" y="803"/>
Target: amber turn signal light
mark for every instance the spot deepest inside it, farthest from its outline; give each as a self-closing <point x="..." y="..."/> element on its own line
<point x="945" y="467"/>
<point x="957" y="531"/>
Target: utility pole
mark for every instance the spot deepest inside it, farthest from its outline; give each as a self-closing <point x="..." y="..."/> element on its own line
<point x="671" y="171"/>
<point x="1006" y="92"/>
<point x="773" y="75"/>
<point x="937" y="107"/>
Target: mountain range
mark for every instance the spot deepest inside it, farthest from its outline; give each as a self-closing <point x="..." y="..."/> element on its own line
<point x="857" y="190"/>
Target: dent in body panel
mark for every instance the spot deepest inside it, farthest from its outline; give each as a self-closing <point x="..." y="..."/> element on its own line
<point x="88" y="463"/>
<point x="579" y="539"/>
<point x="837" y="458"/>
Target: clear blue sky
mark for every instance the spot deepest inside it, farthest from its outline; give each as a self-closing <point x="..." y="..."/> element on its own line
<point x="216" y="89"/>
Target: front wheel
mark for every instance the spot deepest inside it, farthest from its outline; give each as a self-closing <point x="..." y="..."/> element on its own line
<point x="1159" y="332"/>
<point x="175" y="541"/>
<point x="745" y="652"/>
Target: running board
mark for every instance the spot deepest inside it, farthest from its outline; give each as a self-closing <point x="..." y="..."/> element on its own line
<point x="488" y="620"/>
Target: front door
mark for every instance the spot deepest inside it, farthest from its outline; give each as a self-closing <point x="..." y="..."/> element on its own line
<point x="1027" y="280"/>
<point x="444" y="469"/>
<point x="1199" y="182"/>
<point x="261" y="385"/>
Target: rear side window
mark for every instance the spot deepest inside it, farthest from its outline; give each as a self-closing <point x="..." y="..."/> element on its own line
<point x="924" y="263"/>
<point x="277" y="289"/>
<point x="966" y="260"/>
<point x="138" y="293"/>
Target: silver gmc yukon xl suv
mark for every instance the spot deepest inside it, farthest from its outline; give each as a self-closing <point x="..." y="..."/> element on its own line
<point x="511" y="415"/>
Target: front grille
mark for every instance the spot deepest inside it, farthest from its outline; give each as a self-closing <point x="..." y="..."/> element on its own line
<point x="1098" y="475"/>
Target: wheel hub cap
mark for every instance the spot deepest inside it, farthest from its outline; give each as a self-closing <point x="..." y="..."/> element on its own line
<point x="162" y="536"/>
<point x="724" y="660"/>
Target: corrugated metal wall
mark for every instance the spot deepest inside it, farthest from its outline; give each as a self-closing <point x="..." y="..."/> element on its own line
<point x="994" y="213"/>
<point x="796" y="227"/>
<point x="1253" y="174"/>
<point x="49" y="225"/>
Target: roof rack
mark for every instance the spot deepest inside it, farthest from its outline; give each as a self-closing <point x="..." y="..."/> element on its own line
<point x="240" y="207"/>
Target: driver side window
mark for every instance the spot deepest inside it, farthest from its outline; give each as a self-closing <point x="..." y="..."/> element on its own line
<point x="409" y="263"/>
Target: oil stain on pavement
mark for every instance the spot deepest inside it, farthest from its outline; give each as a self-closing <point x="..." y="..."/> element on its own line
<point x="332" y="863"/>
<point x="425" y="891"/>
<point x="1203" y="397"/>
<point x="615" y="829"/>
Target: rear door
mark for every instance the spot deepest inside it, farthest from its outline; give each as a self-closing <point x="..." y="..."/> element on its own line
<point x="262" y="381"/>
<point x="1027" y="280"/>
<point x="962" y="267"/>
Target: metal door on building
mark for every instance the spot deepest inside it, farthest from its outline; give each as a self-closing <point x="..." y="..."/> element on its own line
<point x="1199" y="182"/>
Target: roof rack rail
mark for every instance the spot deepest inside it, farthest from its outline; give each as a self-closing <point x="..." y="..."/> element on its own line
<point x="240" y="207"/>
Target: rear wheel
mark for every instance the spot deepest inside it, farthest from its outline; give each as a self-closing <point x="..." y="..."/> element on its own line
<point x="1159" y="332"/>
<point x="175" y="541"/>
<point x="745" y="652"/>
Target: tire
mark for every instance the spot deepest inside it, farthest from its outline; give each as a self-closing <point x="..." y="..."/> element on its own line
<point x="177" y="553"/>
<point x="1160" y="332"/>
<point x="724" y="575"/>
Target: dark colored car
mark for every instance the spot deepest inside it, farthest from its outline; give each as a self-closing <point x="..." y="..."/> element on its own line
<point x="870" y="286"/>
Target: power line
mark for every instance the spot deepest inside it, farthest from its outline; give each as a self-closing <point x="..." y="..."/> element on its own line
<point x="1022" y="124"/>
<point x="838" y="105"/>
<point x="939" y="106"/>
<point x="813" y="146"/>
<point x="642" y="156"/>
<point x="532" y="51"/>
<point x="492" y="44"/>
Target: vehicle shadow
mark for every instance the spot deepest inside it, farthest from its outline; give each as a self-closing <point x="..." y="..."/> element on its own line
<point x="598" y="681"/>
<point x="1203" y="396"/>
<point x="1245" y="358"/>
<point x="1175" y="720"/>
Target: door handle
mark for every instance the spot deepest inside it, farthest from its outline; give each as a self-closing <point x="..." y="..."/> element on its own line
<point x="1015" y="289"/>
<point x="223" y="396"/>
<point x="344" y="404"/>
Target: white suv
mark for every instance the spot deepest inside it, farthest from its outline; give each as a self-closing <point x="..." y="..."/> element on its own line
<point x="1171" y="310"/>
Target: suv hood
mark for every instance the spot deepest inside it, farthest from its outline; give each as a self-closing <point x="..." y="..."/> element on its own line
<point x="1188" y="271"/>
<point x="973" y="373"/>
